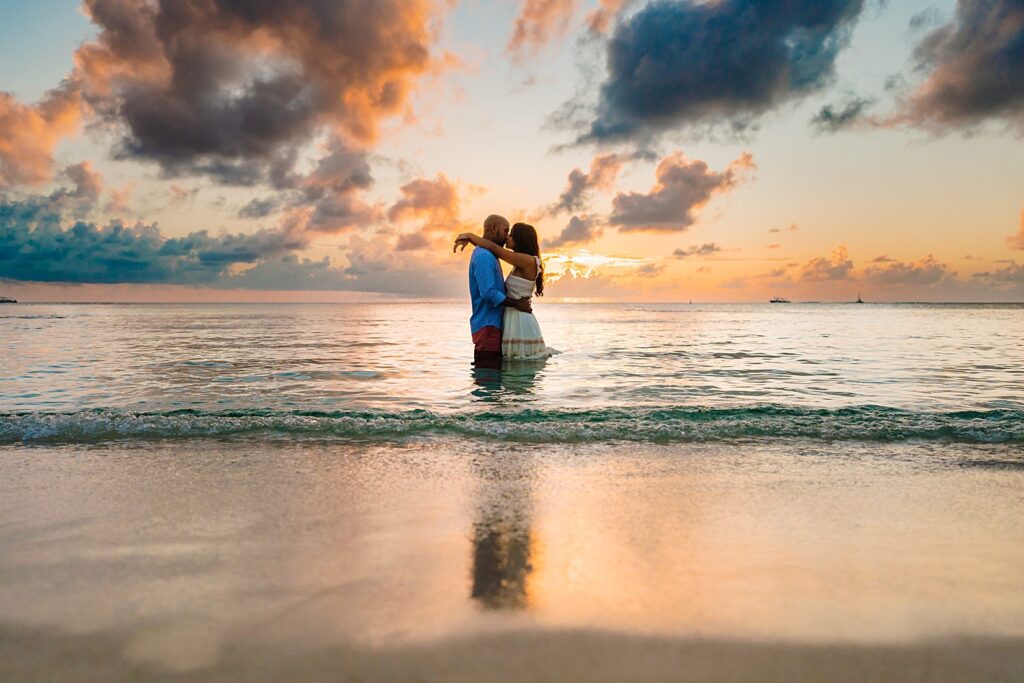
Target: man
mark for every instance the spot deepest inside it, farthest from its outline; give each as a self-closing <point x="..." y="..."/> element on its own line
<point x="487" y="292"/>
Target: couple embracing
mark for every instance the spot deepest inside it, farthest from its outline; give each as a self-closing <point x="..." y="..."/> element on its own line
<point x="503" y="324"/>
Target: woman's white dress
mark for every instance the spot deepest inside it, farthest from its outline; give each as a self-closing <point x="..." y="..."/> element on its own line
<point x="521" y="338"/>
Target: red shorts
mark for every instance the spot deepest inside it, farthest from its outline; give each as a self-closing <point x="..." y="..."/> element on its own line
<point x="487" y="347"/>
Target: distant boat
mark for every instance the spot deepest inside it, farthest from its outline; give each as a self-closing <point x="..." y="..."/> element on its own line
<point x="778" y="300"/>
<point x="859" y="300"/>
<point x="5" y="300"/>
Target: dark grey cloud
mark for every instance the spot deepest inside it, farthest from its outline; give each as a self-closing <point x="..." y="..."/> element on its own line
<point x="833" y="118"/>
<point x="677" y="63"/>
<point x="232" y="88"/>
<point x="706" y="249"/>
<point x="683" y="187"/>
<point x="974" y="68"/>
<point x="579" y="230"/>
<point x="260" y="207"/>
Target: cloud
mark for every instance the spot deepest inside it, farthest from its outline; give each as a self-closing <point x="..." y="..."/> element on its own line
<point x="328" y="199"/>
<point x="792" y="228"/>
<point x="698" y="250"/>
<point x="1010" y="274"/>
<point x="884" y="271"/>
<point x="1017" y="241"/>
<point x="35" y="247"/>
<point x="288" y="272"/>
<point x="432" y="201"/>
<point x="38" y="245"/>
<point x="88" y="182"/>
<point x="232" y="89"/>
<point x="599" y="20"/>
<point x="928" y="18"/>
<point x="735" y="283"/>
<point x="432" y="205"/>
<point x="76" y="202"/>
<point x="835" y="117"/>
<point x="650" y="269"/>
<point x="577" y="285"/>
<point x="683" y="187"/>
<point x="119" y="198"/>
<point x="538" y="23"/>
<point x="182" y="195"/>
<point x="28" y="134"/>
<point x="259" y="207"/>
<point x="88" y="185"/>
<point x="836" y="266"/>
<point x="580" y="230"/>
<point x="927" y="271"/>
<point x="679" y="63"/>
<point x="376" y="266"/>
<point x="604" y="169"/>
<point x="974" y="66"/>
<point x="412" y="241"/>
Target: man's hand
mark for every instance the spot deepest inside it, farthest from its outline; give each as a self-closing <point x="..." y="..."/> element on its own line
<point x="523" y="304"/>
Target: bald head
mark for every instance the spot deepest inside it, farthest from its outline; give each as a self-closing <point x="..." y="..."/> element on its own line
<point x="496" y="228"/>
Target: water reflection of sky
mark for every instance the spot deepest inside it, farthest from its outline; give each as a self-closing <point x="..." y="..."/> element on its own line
<point x="418" y="356"/>
<point x="200" y="545"/>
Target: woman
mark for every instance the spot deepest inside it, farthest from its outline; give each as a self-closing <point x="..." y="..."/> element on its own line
<point x="521" y="338"/>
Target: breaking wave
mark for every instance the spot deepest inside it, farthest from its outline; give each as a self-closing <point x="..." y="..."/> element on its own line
<point x="660" y="425"/>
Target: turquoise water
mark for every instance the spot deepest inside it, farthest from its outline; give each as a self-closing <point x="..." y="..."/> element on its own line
<point x="626" y="372"/>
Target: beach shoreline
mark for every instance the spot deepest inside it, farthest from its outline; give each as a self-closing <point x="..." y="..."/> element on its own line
<point x="466" y="559"/>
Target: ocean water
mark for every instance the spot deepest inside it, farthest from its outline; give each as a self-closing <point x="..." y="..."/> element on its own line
<point x="634" y="372"/>
<point x="331" y="492"/>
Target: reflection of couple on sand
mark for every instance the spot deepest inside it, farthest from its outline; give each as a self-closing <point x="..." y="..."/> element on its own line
<point x="503" y="324"/>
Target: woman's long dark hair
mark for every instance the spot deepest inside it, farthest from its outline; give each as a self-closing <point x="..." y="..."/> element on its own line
<point x="524" y="236"/>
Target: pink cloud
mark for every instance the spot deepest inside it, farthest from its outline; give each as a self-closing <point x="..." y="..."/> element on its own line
<point x="538" y="23"/>
<point x="28" y="134"/>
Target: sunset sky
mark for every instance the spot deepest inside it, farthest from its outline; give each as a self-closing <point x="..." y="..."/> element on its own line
<point x="321" y="150"/>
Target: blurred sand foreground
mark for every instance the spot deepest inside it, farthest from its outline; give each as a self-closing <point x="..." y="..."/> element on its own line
<point x="530" y="656"/>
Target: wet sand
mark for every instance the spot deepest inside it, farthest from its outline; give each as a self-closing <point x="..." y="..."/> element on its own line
<point x="529" y="656"/>
<point x="460" y="560"/>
